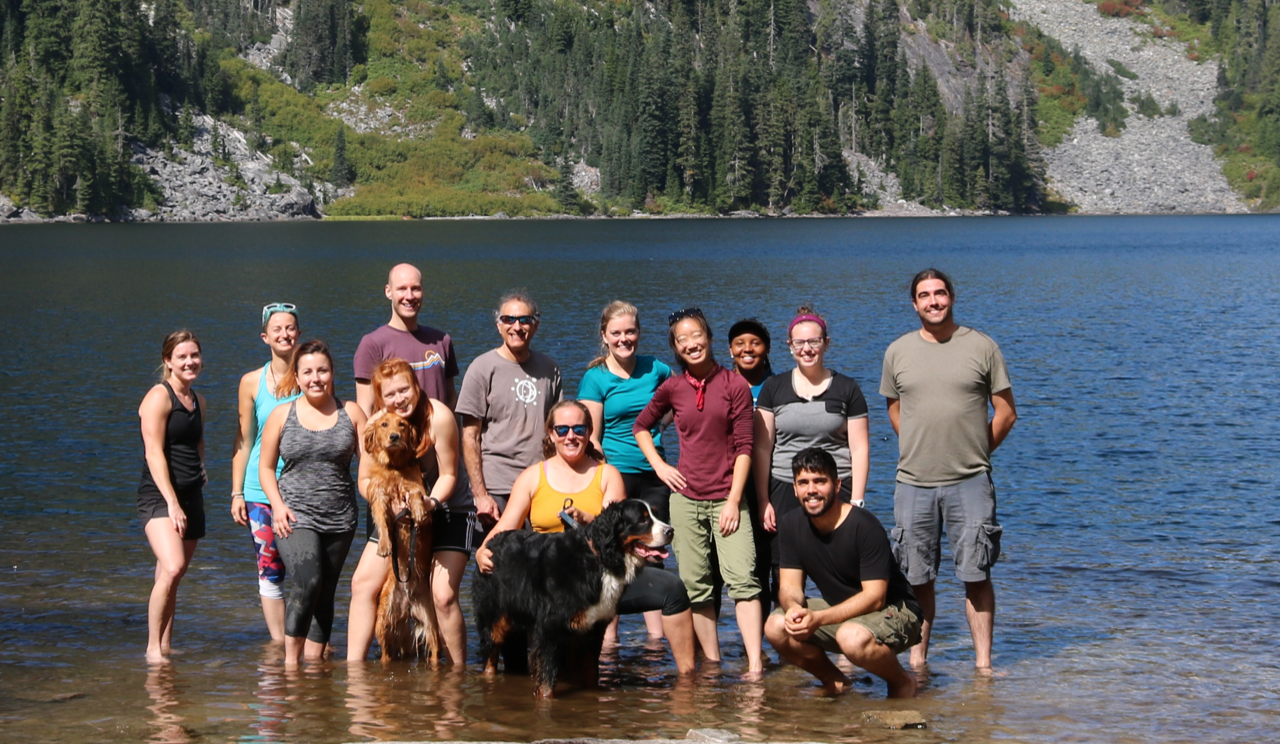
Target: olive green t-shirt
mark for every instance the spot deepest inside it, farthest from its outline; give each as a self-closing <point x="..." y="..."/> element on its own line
<point x="943" y="389"/>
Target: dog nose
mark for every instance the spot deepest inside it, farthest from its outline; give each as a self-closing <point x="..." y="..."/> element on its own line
<point x="394" y="437"/>
<point x="668" y="532"/>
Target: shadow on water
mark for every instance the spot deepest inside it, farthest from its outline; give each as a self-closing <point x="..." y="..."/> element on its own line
<point x="1137" y="492"/>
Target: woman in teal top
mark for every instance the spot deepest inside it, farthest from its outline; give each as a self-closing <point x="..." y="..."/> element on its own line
<point x="249" y="505"/>
<point x="615" y="389"/>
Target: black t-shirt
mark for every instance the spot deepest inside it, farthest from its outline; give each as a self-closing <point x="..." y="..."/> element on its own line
<point x="856" y="551"/>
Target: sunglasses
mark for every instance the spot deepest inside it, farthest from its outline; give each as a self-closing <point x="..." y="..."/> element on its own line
<point x="527" y="320"/>
<point x="688" y="312"/>
<point x="562" y="430"/>
<point x="272" y="308"/>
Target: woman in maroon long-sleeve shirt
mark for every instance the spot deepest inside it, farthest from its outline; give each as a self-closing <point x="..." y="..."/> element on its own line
<point x="713" y="416"/>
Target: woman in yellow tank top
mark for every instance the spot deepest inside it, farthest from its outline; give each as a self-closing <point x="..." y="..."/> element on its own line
<point x="575" y="479"/>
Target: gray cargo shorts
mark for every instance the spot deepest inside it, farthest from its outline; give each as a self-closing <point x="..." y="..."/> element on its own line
<point x="968" y="510"/>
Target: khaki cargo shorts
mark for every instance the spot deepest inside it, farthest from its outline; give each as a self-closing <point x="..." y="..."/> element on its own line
<point x="896" y="626"/>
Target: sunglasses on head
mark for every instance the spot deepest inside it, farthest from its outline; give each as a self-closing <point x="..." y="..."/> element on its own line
<point x="562" y="430"/>
<point x="278" y="307"/>
<point x="688" y="312"/>
<point x="527" y="320"/>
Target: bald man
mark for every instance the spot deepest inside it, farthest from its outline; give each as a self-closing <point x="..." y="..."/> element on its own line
<point x="427" y="350"/>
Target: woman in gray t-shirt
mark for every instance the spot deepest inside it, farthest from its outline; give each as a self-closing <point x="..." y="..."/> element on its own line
<point x="810" y="406"/>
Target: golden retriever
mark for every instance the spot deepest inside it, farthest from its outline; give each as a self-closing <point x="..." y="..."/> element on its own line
<point x="406" y="624"/>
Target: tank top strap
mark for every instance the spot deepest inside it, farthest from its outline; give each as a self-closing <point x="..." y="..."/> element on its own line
<point x="543" y="483"/>
<point x="597" y="480"/>
<point x="173" y="397"/>
<point x="262" y="381"/>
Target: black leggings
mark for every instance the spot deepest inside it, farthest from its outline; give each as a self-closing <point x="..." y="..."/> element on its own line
<point x="655" y="588"/>
<point x="313" y="561"/>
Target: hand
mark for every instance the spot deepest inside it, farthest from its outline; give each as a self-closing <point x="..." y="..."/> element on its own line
<point x="728" y="519"/>
<point x="580" y="516"/>
<point x="486" y="509"/>
<point x="282" y="523"/>
<point x="800" y="623"/>
<point x="179" y="518"/>
<point x="239" y="511"/>
<point x="769" y="518"/>
<point x="672" y="477"/>
<point x="484" y="559"/>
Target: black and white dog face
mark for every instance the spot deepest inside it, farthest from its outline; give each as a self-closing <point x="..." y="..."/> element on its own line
<point x="632" y="528"/>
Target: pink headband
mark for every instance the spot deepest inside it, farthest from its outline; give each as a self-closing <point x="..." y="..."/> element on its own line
<point x="807" y="318"/>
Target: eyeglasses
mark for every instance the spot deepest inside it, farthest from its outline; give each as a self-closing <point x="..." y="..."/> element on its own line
<point x="806" y="343"/>
<point x="688" y="312"/>
<point x="562" y="430"/>
<point x="272" y="308"/>
<point x="521" y="319"/>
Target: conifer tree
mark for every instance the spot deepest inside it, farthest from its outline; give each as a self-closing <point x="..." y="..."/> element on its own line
<point x="341" y="174"/>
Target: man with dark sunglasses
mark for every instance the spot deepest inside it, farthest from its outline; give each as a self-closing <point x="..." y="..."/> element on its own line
<point x="427" y="350"/>
<point x="505" y="397"/>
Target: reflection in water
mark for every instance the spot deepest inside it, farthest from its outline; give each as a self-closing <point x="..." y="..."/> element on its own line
<point x="161" y="686"/>
<point x="369" y="701"/>
<point x="270" y="699"/>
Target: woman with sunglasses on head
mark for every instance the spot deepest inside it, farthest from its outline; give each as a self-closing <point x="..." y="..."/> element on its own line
<point x="574" y="478"/>
<point x="712" y="408"/>
<point x="170" y="496"/>
<point x="259" y="395"/>
<point x="617" y="386"/>
<point x="313" y="502"/>
<point x="454" y="528"/>
<point x="811" y="406"/>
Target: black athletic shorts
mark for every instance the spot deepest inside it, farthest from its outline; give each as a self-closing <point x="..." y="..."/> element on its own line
<point x="151" y="505"/>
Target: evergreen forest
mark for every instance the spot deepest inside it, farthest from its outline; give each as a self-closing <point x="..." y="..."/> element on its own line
<point x="709" y="106"/>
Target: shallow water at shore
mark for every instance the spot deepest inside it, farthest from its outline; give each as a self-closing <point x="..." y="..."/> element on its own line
<point x="1137" y="491"/>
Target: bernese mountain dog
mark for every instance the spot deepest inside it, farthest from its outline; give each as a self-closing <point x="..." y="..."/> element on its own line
<point x="550" y="596"/>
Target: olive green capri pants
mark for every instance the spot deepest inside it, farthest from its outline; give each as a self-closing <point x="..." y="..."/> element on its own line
<point x="697" y="526"/>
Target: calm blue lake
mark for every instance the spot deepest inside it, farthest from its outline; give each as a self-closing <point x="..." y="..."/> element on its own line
<point x="1138" y="490"/>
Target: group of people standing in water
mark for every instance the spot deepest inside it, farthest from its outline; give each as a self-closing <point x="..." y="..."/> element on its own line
<point x="768" y="489"/>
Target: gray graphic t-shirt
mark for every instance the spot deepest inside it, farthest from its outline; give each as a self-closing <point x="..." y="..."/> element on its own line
<point x="511" y="400"/>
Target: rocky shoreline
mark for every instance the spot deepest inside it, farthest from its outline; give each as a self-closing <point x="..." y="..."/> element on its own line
<point x="1153" y="167"/>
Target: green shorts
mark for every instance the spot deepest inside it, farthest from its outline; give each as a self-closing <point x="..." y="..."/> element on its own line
<point x="896" y="626"/>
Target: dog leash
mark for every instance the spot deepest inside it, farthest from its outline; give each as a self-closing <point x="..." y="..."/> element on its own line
<point x="413" y="543"/>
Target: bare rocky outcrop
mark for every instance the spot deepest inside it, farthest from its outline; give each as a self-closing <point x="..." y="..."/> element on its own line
<point x="198" y="189"/>
<point x="270" y="56"/>
<point x="365" y="114"/>
<point x="1153" y="167"/>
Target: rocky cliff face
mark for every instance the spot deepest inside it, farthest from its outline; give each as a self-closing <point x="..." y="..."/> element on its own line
<point x="1153" y="167"/>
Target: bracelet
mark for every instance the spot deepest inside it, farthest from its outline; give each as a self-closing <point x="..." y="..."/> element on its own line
<point x="238" y="495"/>
<point x="438" y="504"/>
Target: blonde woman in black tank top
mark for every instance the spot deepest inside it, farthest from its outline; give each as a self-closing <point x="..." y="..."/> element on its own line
<point x="170" y="501"/>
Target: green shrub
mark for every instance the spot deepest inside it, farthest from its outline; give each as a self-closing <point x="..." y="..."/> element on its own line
<point x="381" y="86"/>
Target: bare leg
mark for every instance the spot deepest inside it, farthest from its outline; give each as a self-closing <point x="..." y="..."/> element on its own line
<point x="980" y="610"/>
<point x="611" y="632"/>
<point x="447" y="568"/>
<point x="314" y="650"/>
<point x="927" y="600"/>
<point x="366" y="584"/>
<point x="679" y="632"/>
<point x="293" y="647"/>
<point x="173" y="556"/>
<point x="805" y="655"/>
<point x="273" y="612"/>
<point x="750" y="625"/>
<point x="863" y="649"/>
<point x="654" y="623"/>
<point x="704" y="628"/>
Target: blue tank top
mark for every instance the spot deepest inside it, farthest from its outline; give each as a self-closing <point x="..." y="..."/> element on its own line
<point x="263" y="404"/>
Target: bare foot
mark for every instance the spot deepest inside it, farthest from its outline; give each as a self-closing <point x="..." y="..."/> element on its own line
<point x="750" y="675"/>
<point x="156" y="657"/>
<point x="836" y="686"/>
<point x="918" y="660"/>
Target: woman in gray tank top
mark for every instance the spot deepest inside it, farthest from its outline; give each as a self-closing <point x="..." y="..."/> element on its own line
<point x="313" y="503"/>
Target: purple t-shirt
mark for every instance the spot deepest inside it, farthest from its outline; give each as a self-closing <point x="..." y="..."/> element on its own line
<point x="428" y="351"/>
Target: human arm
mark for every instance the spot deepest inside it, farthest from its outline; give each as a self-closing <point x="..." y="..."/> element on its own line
<point x="742" y="422"/>
<point x="801" y="622"/>
<point x="513" y="516"/>
<point x="658" y="407"/>
<point x="763" y="462"/>
<point x="486" y="507"/>
<point x="444" y="433"/>
<point x="282" y="518"/>
<point x="596" y="410"/>
<point x="154" y="415"/>
<point x="451" y="390"/>
<point x="364" y="396"/>
<point x="242" y="446"/>
<point x="894" y="412"/>
<point x="611" y="483"/>
<point x="1005" y="414"/>
<point x="859" y="457"/>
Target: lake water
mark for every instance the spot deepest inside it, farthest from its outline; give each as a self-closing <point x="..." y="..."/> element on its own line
<point x="1138" y="491"/>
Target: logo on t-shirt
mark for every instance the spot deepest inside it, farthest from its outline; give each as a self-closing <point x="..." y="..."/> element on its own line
<point x="430" y="359"/>
<point x="526" y="391"/>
